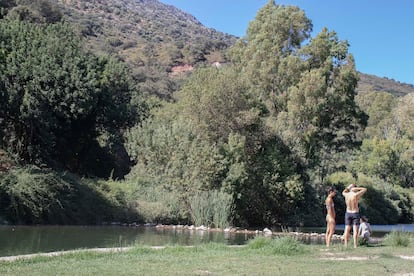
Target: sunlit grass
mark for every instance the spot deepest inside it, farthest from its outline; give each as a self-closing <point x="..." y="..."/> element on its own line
<point x="398" y="238"/>
<point x="261" y="256"/>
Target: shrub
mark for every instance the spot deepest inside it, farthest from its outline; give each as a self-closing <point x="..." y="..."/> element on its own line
<point x="30" y="194"/>
<point x="279" y="246"/>
<point x="397" y="239"/>
<point x="258" y="242"/>
<point x="287" y="246"/>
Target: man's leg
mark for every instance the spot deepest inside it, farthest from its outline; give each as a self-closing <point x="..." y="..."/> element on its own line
<point x="355" y="229"/>
<point x="347" y="231"/>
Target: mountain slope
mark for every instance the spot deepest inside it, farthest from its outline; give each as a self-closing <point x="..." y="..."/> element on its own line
<point x="154" y="37"/>
<point x="373" y="83"/>
<point x="159" y="40"/>
<point x="146" y="32"/>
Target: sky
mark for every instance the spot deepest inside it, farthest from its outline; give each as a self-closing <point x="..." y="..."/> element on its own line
<point x="380" y="32"/>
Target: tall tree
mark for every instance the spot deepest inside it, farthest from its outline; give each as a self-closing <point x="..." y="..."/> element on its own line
<point x="308" y="89"/>
<point x="57" y="97"/>
<point x="378" y="106"/>
<point x="268" y="50"/>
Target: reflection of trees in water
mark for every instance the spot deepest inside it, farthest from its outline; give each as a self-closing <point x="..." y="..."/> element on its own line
<point x="17" y="240"/>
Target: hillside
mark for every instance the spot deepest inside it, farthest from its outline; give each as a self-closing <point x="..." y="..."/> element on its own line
<point x="152" y="37"/>
<point x="159" y="41"/>
<point x="156" y="38"/>
<point x="374" y="83"/>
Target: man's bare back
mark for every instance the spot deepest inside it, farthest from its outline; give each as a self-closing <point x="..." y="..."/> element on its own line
<point x="352" y="194"/>
<point x="351" y="198"/>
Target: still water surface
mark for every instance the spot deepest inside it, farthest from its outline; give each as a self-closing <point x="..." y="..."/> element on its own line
<point x="17" y="240"/>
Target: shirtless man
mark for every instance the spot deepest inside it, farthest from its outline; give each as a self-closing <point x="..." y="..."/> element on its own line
<point x="352" y="194"/>
<point x="330" y="216"/>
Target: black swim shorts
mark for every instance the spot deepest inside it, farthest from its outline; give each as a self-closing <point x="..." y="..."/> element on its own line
<point x="352" y="218"/>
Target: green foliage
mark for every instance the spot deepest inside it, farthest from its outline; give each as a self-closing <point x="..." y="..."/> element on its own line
<point x="57" y="98"/>
<point x="403" y="116"/>
<point x="269" y="130"/>
<point x="387" y="159"/>
<point x="286" y="246"/>
<point x="398" y="239"/>
<point x="376" y="205"/>
<point x="340" y="178"/>
<point x="275" y="33"/>
<point x="274" y="187"/>
<point x="173" y="155"/>
<point x="211" y="208"/>
<point x="258" y="242"/>
<point x="31" y="195"/>
<point x="307" y="89"/>
<point x="378" y="106"/>
<point x="153" y="203"/>
<point x="321" y="116"/>
<point x="218" y="103"/>
<point x="259" y="171"/>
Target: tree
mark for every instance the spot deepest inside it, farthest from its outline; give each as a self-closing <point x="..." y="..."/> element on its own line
<point x="269" y="49"/>
<point x="378" y="106"/>
<point x="390" y="160"/>
<point x="172" y="157"/>
<point x="218" y="103"/>
<point x="58" y="98"/>
<point x="403" y="115"/>
<point x="308" y="89"/>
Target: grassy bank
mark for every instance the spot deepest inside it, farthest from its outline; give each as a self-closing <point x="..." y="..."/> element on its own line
<point x="282" y="256"/>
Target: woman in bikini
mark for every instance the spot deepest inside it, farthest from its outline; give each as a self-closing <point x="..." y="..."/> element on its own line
<point x="330" y="216"/>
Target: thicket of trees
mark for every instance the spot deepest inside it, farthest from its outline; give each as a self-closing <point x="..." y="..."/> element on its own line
<point x="253" y="143"/>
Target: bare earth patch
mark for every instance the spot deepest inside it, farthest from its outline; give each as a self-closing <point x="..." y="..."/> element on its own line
<point x="59" y="253"/>
<point x="337" y="257"/>
<point x="350" y="258"/>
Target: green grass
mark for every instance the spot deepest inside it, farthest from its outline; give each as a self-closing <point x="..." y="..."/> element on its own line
<point x="260" y="257"/>
<point x="281" y="246"/>
<point x="398" y="238"/>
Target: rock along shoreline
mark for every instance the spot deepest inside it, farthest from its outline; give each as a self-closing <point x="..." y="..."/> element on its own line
<point x="302" y="236"/>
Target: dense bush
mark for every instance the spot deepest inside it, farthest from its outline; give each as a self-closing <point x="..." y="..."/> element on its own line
<point x="31" y="195"/>
<point x="56" y="99"/>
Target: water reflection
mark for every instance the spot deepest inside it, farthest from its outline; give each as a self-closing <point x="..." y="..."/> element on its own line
<point x="16" y="240"/>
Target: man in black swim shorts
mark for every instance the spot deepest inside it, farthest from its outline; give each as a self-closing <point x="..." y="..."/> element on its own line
<point x="352" y="194"/>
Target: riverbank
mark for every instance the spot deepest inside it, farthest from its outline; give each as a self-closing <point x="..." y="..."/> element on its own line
<point x="219" y="259"/>
<point x="22" y="239"/>
<point x="311" y="237"/>
<point x="306" y="238"/>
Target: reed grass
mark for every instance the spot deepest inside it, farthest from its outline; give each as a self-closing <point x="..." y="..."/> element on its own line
<point x="211" y="208"/>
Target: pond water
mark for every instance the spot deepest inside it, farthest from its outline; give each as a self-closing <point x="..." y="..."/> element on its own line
<point x="17" y="240"/>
